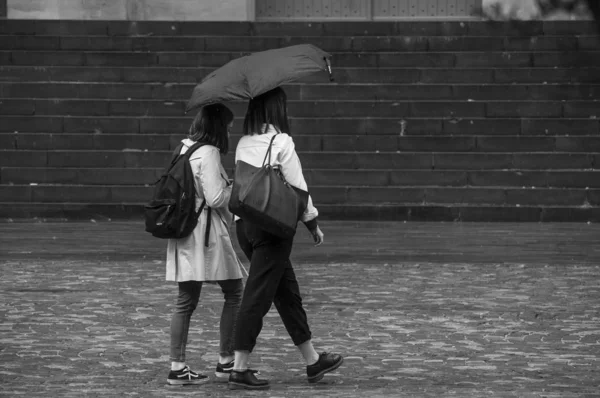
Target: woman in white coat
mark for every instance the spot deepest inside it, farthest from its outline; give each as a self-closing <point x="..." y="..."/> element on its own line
<point x="207" y="255"/>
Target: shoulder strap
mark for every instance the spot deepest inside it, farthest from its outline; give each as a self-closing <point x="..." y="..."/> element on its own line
<point x="193" y="148"/>
<point x="268" y="154"/>
<point x="176" y="153"/>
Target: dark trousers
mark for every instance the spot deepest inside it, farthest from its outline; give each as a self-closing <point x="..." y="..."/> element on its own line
<point x="271" y="279"/>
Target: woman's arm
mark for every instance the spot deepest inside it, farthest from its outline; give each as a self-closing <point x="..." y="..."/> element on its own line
<point x="292" y="171"/>
<point x="214" y="187"/>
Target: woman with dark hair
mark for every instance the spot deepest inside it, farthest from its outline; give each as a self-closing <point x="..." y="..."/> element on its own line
<point x="272" y="278"/>
<point x="207" y="255"/>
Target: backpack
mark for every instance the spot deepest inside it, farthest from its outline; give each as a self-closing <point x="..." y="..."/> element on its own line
<point x="171" y="213"/>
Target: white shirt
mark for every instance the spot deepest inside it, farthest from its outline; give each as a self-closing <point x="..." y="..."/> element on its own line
<point x="253" y="148"/>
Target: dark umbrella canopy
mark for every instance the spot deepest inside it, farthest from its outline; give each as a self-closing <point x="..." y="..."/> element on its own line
<point x="251" y="75"/>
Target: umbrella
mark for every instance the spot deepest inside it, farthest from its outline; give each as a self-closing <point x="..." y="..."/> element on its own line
<point x="251" y="75"/>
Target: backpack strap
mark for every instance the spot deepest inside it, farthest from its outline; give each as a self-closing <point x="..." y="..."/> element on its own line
<point x="188" y="154"/>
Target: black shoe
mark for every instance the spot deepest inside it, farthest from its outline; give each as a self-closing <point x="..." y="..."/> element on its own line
<point x="246" y="380"/>
<point x="224" y="370"/>
<point x="327" y="362"/>
<point x="185" y="376"/>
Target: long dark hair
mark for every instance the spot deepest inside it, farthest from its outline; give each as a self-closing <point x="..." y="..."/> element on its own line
<point x="210" y="126"/>
<point x="267" y="108"/>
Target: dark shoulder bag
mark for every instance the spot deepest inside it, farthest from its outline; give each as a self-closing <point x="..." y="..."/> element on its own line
<point x="262" y="196"/>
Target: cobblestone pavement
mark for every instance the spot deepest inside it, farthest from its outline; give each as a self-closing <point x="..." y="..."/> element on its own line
<point x="417" y="309"/>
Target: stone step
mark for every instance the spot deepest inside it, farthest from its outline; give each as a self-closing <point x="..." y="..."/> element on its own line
<point x="315" y="109"/>
<point x="339" y="59"/>
<point x="312" y="28"/>
<point x="342" y="75"/>
<point x="314" y="143"/>
<point x="370" y="212"/>
<point x="313" y="126"/>
<point x="362" y="44"/>
<point x="322" y="177"/>
<point x="324" y="194"/>
<point x="319" y="160"/>
<point x="314" y="92"/>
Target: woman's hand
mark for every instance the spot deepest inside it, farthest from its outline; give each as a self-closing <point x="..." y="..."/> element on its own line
<point x="317" y="235"/>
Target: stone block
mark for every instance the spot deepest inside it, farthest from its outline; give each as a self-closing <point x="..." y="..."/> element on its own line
<point x="465" y="195"/>
<point x="465" y="43"/>
<point x="17" y="158"/>
<point x="515" y="144"/>
<point x="214" y="28"/>
<point x="529" y="109"/>
<point x="552" y="161"/>
<point x="76" y="124"/>
<point x="513" y="28"/>
<point x="68" y="107"/>
<point x="534" y="75"/>
<point x="70" y="193"/>
<point x="384" y="195"/>
<point x="12" y="73"/>
<point x="385" y="44"/>
<point x="455" y="75"/>
<point x="164" y="75"/>
<point x="501" y="213"/>
<point x="507" y="178"/>
<point x="9" y="106"/>
<point x="471" y="92"/>
<point x="540" y="43"/>
<point x="564" y="58"/>
<point x="15" y="193"/>
<point x="341" y="177"/>
<point x="47" y="58"/>
<point x="130" y="194"/>
<point x="578" y="144"/>
<point x="191" y="59"/>
<point x="447" y="109"/>
<point x="142" y="142"/>
<point x="90" y="159"/>
<point x="570" y="214"/>
<point x="546" y="197"/>
<point x="43" y="124"/>
<point x="398" y="60"/>
<point x="436" y="144"/>
<point x="107" y="58"/>
<point x="8" y="141"/>
<point x="573" y="178"/>
<point x="428" y="178"/>
<point x="481" y="126"/>
<point x="85" y="74"/>
<point x="582" y="109"/>
<point x="96" y="43"/>
<point x="30" y="43"/>
<point x="33" y="141"/>
<point x="360" y="143"/>
<point x="559" y="126"/>
<point x="385" y="160"/>
<point x="472" y="161"/>
<point x="146" y="108"/>
<point x="492" y="59"/>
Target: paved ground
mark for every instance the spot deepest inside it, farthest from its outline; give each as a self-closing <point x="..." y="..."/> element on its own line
<point x="417" y="309"/>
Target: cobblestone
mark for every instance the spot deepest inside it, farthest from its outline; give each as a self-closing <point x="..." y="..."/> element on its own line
<point x="418" y="310"/>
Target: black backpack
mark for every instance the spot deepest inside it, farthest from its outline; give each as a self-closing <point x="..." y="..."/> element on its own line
<point x="171" y="214"/>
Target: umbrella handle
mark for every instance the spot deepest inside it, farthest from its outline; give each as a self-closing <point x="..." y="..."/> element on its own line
<point x="328" y="65"/>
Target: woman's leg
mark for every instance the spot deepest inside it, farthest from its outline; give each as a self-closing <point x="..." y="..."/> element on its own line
<point x="232" y="290"/>
<point x="269" y="255"/>
<point x="243" y="241"/>
<point x="288" y="302"/>
<point x="187" y="301"/>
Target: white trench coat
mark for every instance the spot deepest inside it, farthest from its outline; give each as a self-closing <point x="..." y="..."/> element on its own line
<point x="188" y="259"/>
